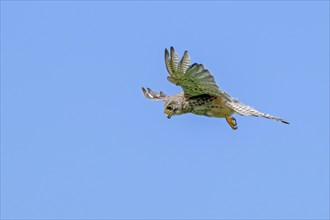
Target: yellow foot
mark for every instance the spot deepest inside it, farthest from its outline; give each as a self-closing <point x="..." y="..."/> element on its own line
<point x="232" y="122"/>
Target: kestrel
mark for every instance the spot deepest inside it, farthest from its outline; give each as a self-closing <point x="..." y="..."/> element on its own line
<point x="201" y="95"/>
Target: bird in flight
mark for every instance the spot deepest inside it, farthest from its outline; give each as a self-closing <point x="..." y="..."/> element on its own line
<point x="201" y="95"/>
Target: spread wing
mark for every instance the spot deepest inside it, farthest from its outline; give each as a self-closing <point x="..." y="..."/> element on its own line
<point x="195" y="79"/>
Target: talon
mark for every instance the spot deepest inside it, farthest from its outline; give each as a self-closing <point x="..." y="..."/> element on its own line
<point x="232" y="122"/>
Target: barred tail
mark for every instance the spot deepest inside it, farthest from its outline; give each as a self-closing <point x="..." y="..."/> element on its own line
<point x="272" y="117"/>
<point x="246" y="110"/>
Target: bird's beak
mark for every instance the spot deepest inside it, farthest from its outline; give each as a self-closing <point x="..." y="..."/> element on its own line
<point x="168" y="115"/>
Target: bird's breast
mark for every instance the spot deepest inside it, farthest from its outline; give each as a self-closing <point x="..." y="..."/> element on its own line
<point x="210" y="106"/>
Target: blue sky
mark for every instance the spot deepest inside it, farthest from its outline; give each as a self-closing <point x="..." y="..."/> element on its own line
<point x="79" y="140"/>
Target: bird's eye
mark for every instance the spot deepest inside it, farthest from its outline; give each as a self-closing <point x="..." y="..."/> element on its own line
<point x="169" y="107"/>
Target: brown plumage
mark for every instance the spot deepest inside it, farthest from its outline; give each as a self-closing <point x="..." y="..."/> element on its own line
<point x="201" y="95"/>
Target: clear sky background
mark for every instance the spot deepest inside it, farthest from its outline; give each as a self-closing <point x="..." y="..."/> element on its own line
<point x="79" y="140"/>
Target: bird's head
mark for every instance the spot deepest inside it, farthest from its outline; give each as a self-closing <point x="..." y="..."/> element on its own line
<point x="173" y="106"/>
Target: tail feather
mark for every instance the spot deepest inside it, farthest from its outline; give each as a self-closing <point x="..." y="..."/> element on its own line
<point x="246" y="110"/>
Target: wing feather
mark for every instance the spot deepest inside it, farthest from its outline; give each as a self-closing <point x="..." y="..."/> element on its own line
<point x="184" y="63"/>
<point x="150" y="94"/>
<point x="174" y="60"/>
<point x="195" y="79"/>
<point x="167" y="62"/>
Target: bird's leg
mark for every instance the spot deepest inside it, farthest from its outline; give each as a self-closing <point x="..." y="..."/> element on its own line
<point x="232" y="122"/>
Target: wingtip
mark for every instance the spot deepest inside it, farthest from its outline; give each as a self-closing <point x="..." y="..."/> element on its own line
<point x="167" y="54"/>
<point x="144" y="91"/>
<point x="172" y="50"/>
<point x="186" y="56"/>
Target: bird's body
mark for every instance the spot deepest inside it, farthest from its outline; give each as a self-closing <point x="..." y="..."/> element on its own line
<point x="201" y="95"/>
<point x="212" y="106"/>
